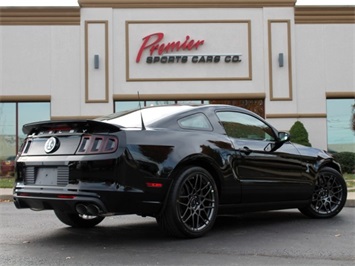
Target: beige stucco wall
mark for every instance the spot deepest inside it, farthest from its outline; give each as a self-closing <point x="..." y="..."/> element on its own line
<point x="49" y="58"/>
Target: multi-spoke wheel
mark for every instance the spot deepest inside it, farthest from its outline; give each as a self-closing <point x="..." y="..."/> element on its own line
<point x="192" y="204"/>
<point x="78" y="220"/>
<point x="329" y="195"/>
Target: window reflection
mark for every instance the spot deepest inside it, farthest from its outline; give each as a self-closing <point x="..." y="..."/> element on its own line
<point x="7" y="130"/>
<point x="341" y="137"/>
<point x="130" y="105"/>
<point x="190" y="102"/>
<point x="13" y="115"/>
<point x="197" y="121"/>
<point x="157" y="103"/>
<point x="126" y="105"/>
<point x="31" y="112"/>
<point x="243" y="126"/>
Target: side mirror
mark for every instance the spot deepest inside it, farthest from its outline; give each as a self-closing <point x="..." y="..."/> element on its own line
<point x="284" y="137"/>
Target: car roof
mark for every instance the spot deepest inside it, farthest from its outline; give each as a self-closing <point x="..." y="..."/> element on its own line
<point x="159" y="115"/>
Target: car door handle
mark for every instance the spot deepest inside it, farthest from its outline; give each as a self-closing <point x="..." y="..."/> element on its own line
<point x="246" y="150"/>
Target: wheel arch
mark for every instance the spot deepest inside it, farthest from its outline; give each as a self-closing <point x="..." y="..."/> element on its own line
<point x="204" y="162"/>
<point x="331" y="164"/>
<point x="174" y="222"/>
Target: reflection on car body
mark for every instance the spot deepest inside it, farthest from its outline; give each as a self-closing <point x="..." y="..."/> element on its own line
<point x="183" y="165"/>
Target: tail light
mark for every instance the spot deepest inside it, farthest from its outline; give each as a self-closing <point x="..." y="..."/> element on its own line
<point x="94" y="144"/>
<point x="24" y="147"/>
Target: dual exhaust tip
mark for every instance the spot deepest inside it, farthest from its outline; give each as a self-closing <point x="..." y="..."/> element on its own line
<point x="88" y="209"/>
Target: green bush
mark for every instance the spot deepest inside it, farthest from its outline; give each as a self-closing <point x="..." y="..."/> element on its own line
<point x="299" y="134"/>
<point x="346" y="160"/>
<point x="6" y="182"/>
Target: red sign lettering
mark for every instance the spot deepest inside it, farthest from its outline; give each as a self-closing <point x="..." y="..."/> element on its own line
<point x="153" y="43"/>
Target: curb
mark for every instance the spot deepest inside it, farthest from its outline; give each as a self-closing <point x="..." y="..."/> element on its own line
<point x="6" y="195"/>
<point x="6" y="198"/>
<point x="350" y="203"/>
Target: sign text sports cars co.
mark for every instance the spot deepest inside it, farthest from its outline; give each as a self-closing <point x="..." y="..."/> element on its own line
<point x="159" y="50"/>
<point x="188" y="51"/>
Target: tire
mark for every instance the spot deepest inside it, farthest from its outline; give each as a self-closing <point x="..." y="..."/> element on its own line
<point x="78" y="220"/>
<point x="329" y="195"/>
<point x="192" y="204"/>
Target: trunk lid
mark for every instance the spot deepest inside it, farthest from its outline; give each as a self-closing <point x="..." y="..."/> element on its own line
<point x="69" y="138"/>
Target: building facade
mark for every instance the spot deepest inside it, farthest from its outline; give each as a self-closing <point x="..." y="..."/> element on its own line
<point x="287" y="63"/>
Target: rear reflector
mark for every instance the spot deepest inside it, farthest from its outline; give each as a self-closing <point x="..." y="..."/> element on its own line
<point x="65" y="196"/>
<point x="21" y="194"/>
<point x="154" y="185"/>
<point x="25" y="194"/>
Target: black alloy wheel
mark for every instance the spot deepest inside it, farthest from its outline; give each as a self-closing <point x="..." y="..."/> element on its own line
<point x="192" y="204"/>
<point x="329" y="195"/>
<point x="78" y="220"/>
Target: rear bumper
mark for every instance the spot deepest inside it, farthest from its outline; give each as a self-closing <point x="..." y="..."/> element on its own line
<point x="115" y="186"/>
<point x="45" y="202"/>
<point x="108" y="202"/>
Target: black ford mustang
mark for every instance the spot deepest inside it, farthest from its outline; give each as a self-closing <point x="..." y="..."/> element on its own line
<point x="183" y="165"/>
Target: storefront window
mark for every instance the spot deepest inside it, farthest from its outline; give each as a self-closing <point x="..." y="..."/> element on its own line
<point x="129" y="105"/>
<point x="31" y="112"/>
<point x="7" y="130"/>
<point x="126" y="105"/>
<point x="157" y="103"/>
<point x="193" y="102"/>
<point x="341" y="136"/>
<point x="13" y="116"/>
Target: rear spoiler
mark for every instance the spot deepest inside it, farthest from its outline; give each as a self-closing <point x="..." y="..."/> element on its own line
<point x="79" y="126"/>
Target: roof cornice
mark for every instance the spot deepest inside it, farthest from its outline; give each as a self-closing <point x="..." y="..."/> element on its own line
<point x="324" y="14"/>
<point x="185" y="3"/>
<point x="40" y="16"/>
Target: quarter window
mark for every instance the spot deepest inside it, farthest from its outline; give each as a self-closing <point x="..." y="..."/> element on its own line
<point x="196" y="121"/>
<point x="244" y="126"/>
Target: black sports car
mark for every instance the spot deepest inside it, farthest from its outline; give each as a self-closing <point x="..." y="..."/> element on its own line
<point x="183" y="165"/>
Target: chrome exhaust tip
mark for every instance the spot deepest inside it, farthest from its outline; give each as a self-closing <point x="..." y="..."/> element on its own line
<point x="81" y="209"/>
<point x="93" y="209"/>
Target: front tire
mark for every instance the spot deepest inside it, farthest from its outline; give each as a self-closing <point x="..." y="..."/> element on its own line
<point x="78" y="220"/>
<point x="192" y="204"/>
<point x="329" y="195"/>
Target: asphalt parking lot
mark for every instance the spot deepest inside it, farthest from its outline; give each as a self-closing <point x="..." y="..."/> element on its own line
<point x="267" y="238"/>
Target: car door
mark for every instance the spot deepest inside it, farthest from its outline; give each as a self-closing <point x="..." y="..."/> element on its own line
<point x="265" y="175"/>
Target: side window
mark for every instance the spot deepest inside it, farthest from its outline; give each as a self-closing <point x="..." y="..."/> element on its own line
<point x="244" y="126"/>
<point x="196" y="121"/>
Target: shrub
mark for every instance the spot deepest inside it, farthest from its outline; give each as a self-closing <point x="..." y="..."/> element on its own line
<point x="299" y="134"/>
<point x="346" y="160"/>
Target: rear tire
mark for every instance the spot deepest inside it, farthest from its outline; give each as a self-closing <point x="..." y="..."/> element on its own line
<point x="329" y="195"/>
<point x="192" y="204"/>
<point x="78" y="220"/>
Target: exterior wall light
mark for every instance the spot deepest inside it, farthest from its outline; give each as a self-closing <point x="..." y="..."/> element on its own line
<point x="281" y="59"/>
<point x="96" y="61"/>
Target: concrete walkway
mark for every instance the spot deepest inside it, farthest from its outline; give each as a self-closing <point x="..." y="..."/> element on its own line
<point x="6" y="195"/>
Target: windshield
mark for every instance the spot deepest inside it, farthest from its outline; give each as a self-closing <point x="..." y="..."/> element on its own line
<point x="149" y="115"/>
